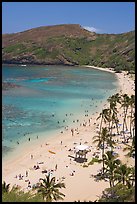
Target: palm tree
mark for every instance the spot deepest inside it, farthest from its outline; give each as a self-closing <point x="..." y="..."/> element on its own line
<point x="104" y="115"/>
<point x="130" y="148"/>
<point x="113" y="100"/>
<point x="133" y="123"/>
<point x="125" y="101"/>
<point x="101" y="139"/>
<point x="116" y="120"/>
<point x="118" y="193"/>
<point x="50" y="189"/>
<point x="5" y="187"/>
<point x="111" y="164"/>
<point x="132" y="105"/>
<point x="110" y="141"/>
<point x="123" y="174"/>
<point x="117" y="98"/>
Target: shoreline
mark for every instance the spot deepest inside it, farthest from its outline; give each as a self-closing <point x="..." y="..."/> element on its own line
<point x="40" y="152"/>
<point x="100" y="68"/>
<point x="54" y="134"/>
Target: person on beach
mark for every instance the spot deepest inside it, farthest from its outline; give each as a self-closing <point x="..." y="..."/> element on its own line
<point x="26" y="173"/>
<point x="66" y="128"/>
<point x="56" y="167"/>
<point x="72" y="131"/>
<point x="20" y="177"/>
<point x="71" y="174"/>
<point x="37" y="167"/>
<point x="31" y="156"/>
<point x="29" y="185"/>
<point x="90" y="121"/>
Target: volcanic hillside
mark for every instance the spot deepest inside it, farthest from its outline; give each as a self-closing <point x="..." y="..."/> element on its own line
<point x="69" y="44"/>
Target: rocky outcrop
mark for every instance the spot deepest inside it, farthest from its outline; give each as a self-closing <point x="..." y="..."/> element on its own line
<point x="8" y="85"/>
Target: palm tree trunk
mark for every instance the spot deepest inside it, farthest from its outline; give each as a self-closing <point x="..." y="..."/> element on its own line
<point x="112" y="179"/>
<point x="43" y="196"/>
<point x="133" y="131"/>
<point x="125" y="119"/>
<point x="124" y="127"/>
<point x="103" y="157"/>
<point x="117" y="128"/>
<point x="110" y="183"/>
<point x="131" y="122"/>
<point x="109" y="121"/>
<point x="100" y="126"/>
<point x="116" y="123"/>
<point x="123" y="180"/>
<point x="111" y="127"/>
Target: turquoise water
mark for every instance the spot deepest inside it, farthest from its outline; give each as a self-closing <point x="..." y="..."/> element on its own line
<point x="49" y="98"/>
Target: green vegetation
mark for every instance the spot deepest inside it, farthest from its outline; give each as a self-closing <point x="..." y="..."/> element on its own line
<point x="121" y="177"/>
<point x="47" y="191"/>
<point x="85" y="165"/>
<point x="94" y="160"/>
<point x="105" y="50"/>
<point x="118" y="193"/>
<point x="16" y="49"/>
<point x="17" y="195"/>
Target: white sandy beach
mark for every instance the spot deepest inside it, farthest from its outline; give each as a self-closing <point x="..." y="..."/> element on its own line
<point x="81" y="186"/>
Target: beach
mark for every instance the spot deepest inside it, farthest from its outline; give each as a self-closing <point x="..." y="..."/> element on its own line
<point x="58" y="151"/>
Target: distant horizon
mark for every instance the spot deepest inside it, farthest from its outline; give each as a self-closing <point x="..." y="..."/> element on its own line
<point x="65" y="24"/>
<point x="98" y="17"/>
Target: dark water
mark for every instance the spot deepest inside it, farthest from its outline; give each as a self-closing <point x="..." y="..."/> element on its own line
<point x="45" y="94"/>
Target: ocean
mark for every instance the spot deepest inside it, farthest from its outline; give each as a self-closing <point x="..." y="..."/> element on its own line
<point x="49" y="98"/>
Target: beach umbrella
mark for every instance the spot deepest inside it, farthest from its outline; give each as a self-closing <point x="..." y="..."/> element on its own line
<point x="81" y="150"/>
<point x="82" y="147"/>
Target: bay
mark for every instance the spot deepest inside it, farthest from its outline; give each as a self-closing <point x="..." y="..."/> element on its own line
<point x="49" y="98"/>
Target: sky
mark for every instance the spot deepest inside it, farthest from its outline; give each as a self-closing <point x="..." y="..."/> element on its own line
<point x="99" y="17"/>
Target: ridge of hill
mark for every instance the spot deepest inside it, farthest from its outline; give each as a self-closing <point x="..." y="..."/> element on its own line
<point x="69" y="44"/>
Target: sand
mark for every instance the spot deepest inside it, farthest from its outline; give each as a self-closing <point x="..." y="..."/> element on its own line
<point x="81" y="186"/>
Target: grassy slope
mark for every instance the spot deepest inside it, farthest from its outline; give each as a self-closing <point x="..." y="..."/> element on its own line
<point x="106" y="50"/>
